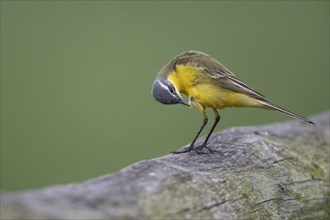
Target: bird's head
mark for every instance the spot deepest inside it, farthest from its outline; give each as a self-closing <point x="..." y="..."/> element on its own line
<point x="164" y="92"/>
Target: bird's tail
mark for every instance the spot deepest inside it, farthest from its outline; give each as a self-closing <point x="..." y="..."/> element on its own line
<point x="280" y="109"/>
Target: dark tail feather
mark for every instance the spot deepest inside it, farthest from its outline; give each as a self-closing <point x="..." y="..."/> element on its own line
<point x="275" y="107"/>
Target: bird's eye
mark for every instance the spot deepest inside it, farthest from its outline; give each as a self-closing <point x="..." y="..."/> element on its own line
<point x="172" y="90"/>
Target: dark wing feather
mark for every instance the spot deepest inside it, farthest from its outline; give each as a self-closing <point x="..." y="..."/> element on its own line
<point x="228" y="80"/>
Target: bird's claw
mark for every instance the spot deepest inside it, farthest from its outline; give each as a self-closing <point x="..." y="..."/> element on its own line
<point x="182" y="151"/>
<point x="209" y="149"/>
<point x="189" y="150"/>
<point x="198" y="150"/>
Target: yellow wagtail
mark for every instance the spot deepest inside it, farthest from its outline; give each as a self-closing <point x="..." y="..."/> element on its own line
<point x="207" y="83"/>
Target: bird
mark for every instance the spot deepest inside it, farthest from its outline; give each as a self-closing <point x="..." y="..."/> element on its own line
<point x="208" y="84"/>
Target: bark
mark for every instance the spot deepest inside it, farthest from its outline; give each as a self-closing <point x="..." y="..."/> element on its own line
<point x="277" y="171"/>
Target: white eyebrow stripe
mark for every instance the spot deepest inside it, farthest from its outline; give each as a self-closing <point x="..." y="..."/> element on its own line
<point x="163" y="85"/>
<point x="166" y="87"/>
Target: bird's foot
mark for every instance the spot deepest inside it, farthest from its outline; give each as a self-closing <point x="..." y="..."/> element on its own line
<point x="181" y="151"/>
<point x="209" y="149"/>
<point x="197" y="150"/>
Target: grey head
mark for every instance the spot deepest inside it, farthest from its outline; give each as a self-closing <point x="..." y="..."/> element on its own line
<point x="164" y="92"/>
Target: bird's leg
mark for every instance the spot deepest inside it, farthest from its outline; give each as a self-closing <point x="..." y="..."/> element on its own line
<point x="191" y="146"/>
<point x="216" y="121"/>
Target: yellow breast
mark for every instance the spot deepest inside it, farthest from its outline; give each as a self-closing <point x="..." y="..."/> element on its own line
<point x="195" y="83"/>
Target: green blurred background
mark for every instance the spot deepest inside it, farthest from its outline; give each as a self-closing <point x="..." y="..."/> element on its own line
<point x="76" y="77"/>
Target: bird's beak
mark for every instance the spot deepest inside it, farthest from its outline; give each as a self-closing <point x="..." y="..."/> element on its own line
<point x="181" y="100"/>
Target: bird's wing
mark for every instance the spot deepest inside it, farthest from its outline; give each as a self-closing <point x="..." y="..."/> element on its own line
<point x="228" y="80"/>
<point x="216" y="70"/>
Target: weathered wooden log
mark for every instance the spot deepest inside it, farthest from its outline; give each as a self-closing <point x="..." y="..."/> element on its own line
<point x="277" y="171"/>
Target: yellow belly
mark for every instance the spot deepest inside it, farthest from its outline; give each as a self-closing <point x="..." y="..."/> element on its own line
<point x="206" y="90"/>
